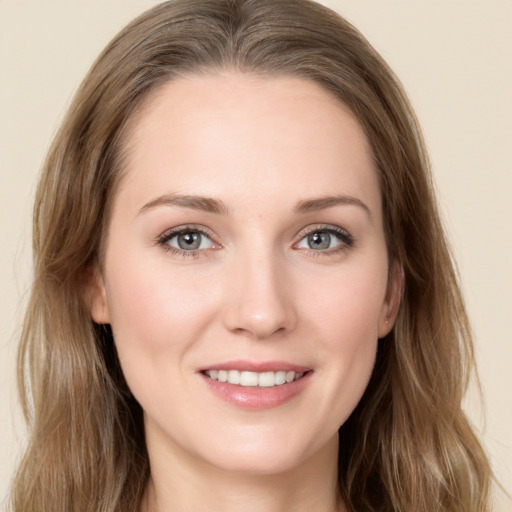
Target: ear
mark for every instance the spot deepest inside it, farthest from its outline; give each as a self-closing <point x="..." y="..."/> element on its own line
<point x="392" y="300"/>
<point x="96" y="296"/>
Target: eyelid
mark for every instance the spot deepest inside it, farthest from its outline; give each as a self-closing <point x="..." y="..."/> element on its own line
<point x="346" y="238"/>
<point x="170" y="233"/>
<point x="332" y="228"/>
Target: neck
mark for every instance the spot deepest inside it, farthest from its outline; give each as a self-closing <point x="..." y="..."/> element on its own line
<point x="180" y="482"/>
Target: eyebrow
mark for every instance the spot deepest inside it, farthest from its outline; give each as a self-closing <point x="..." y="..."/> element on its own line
<point x="321" y="203"/>
<point x="206" y="204"/>
<point x="216" y="206"/>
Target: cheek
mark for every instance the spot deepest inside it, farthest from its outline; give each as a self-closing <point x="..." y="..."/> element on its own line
<point x="156" y="315"/>
<point x="345" y="313"/>
<point x="347" y="305"/>
<point x="148" y="303"/>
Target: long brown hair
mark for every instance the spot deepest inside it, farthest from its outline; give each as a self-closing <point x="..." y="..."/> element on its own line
<point x="408" y="445"/>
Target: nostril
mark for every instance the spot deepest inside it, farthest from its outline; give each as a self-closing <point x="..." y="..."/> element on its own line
<point x="259" y="303"/>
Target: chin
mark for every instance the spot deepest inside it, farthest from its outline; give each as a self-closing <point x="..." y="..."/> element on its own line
<point x="258" y="465"/>
<point x="268" y="456"/>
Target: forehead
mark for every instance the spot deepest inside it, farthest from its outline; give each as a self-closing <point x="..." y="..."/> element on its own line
<point x="221" y="134"/>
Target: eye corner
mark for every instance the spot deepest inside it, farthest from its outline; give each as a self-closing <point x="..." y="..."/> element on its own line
<point x="200" y="240"/>
<point x="325" y="234"/>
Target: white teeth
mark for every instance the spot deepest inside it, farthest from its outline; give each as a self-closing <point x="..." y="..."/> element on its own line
<point x="248" y="379"/>
<point x="233" y="377"/>
<point x="267" y="379"/>
<point x="253" y="379"/>
<point x="280" y="378"/>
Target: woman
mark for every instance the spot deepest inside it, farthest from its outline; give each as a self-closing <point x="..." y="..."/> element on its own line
<point x="242" y="285"/>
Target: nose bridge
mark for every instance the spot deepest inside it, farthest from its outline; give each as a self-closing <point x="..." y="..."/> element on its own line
<point x="261" y="301"/>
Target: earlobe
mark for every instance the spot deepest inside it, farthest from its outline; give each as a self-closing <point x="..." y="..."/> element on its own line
<point x="392" y="301"/>
<point x="97" y="296"/>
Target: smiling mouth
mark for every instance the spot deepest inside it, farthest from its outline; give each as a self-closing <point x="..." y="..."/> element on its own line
<point x="254" y="379"/>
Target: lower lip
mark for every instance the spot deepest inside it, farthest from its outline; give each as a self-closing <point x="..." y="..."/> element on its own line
<point x="257" y="398"/>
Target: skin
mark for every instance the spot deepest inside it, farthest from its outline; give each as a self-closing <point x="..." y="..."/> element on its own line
<point x="255" y="289"/>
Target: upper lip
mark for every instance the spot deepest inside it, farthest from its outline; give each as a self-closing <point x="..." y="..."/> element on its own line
<point x="257" y="366"/>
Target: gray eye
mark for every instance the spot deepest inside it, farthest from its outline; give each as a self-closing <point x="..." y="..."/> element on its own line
<point x="190" y="241"/>
<point x="319" y="240"/>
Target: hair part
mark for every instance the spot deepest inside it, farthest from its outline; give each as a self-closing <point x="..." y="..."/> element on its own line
<point x="408" y="445"/>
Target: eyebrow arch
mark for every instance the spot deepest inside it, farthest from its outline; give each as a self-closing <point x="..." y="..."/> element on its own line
<point x="320" y="203"/>
<point x="207" y="204"/>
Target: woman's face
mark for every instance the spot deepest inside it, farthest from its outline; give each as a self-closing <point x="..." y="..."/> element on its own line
<point x="246" y="243"/>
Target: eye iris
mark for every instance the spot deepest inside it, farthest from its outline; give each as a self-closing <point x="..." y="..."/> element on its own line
<point x="319" y="240"/>
<point x="189" y="240"/>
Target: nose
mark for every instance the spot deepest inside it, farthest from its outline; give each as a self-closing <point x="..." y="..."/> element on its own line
<point x="260" y="298"/>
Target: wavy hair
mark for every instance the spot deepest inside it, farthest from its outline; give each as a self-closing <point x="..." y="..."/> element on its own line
<point x="408" y="445"/>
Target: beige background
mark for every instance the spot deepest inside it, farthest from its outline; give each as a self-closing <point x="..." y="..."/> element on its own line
<point x="455" y="59"/>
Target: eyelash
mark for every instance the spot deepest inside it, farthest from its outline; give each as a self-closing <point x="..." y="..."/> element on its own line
<point x="347" y="241"/>
<point x="164" y="238"/>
